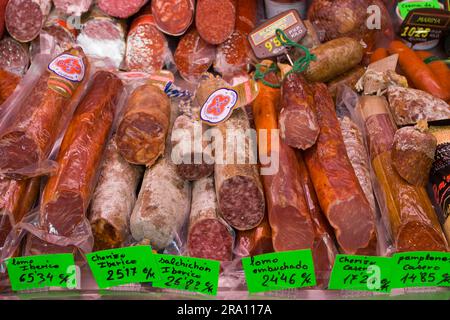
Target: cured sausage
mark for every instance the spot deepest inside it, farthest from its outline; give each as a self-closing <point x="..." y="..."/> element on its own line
<point x="194" y="159"/>
<point x="8" y="83"/>
<point x="14" y="56"/>
<point x="193" y="56"/>
<point x="121" y="8"/>
<point x="334" y="58"/>
<point x="337" y="187"/>
<point x="209" y="237"/>
<point x="142" y="131"/>
<point x="113" y="199"/>
<point x="412" y="227"/>
<point x="410" y="105"/>
<point x="67" y="194"/>
<point x="25" y="18"/>
<point x="237" y="184"/>
<point x="103" y="37"/>
<point x="163" y="203"/>
<point x="235" y="54"/>
<point x="173" y="16"/>
<point x="27" y="139"/>
<point x="215" y="19"/>
<point x="147" y="47"/>
<point x="255" y="241"/>
<point x="298" y="120"/>
<point x="349" y="78"/>
<point x="413" y="153"/>
<point x="73" y="7"/>
<point x="16" y="200"/>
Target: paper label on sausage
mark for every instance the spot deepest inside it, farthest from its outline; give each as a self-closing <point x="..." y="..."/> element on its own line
<point x="69" y="67"/>
<point x="188" y="274"/>
<point x="424" y="25"/>
<point x="279" y="271"/>
<point x="219" y="106"/>
<point x="361" y="273"/>
<point x="43" y="271"/>
<point x="263" y="39"/>
<point x="421" y="269"/>
<point x="123" y="266"/>
<point x="405" y="7"/>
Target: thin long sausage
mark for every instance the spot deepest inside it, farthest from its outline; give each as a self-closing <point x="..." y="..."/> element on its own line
<point x="337" y="187"/>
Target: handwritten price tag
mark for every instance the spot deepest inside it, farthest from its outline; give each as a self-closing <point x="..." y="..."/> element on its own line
<point x="361" y="273"/>
<point x="188" y="274"/>
<point x="421" y="269"/>
<point x="123" y="266"/>
<point x="405" y="7"/>
<point x="44" y="271"/>
<point x="279" y="271"/>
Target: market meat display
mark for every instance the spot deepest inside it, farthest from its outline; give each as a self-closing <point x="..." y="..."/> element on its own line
<point x="201" y="130"/>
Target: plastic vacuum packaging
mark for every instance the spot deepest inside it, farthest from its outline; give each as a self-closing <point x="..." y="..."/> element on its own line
<point x="173" y="17"/>
<point x="411" y="227"/>
<point x="62" y="224"/>
<point x="8" y="83"/>
<point x="14" y="56"/>
<point x="103" y="37"/>
<point x="73" y="7"/>
<point x="37" y="118"/>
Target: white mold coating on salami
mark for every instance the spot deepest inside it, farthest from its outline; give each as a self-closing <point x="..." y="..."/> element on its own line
<point x="113" y="199"/>
<point x="13" y="56"/>
<point x="162" y="207"/>
<point x="146" y="49"/>
<point x="209" y="236"/>
<point x="121" y="8"/>
<point x="25" y="18"/>
<point x="103" y="38"/>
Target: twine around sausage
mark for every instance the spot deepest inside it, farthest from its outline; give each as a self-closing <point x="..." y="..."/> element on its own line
<point x="299" y="65"/>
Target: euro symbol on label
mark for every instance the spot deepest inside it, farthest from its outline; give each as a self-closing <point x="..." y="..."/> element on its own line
<point x="374" y="280"/>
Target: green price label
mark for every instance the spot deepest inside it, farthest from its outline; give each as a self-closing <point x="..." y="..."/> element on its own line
<point x="421" y="269"/>
<point x="361" y="273"/>
<point x="123" y="266"/>
<point x="188" y="274"/>
<point x="406" y="7"/>
<point x="44" y="271"/>
<point x="279" y="271"/>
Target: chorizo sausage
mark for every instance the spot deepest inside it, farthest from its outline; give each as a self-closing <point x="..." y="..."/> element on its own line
<point x="67" y="194"/>
<point x="8" y="83"/>
<point x="142" y="131"/>
<point x="215" y="19"/>
<point x="113" y="199"/>
<point x="298" y="120"/>
<point x="27" y="139"/>
<point x="407" y="210"/>
<point x="209" y="237"/>
<point x="337" y="187"/>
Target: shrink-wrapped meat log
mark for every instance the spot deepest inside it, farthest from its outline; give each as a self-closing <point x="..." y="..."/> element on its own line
<point x="27" y="137"/>
<point x="8" y="83"/>
<point x="14" y="56"/>
<point x="209" y="237"/>
<point x="113" y="199"/>
<point x="142" y="131"/>
<point x="406" y="209"/>
<point x="215" y="19"/>
<point x="121" y="8"/>
<point x="67" y="194"/>
<point x="255" y="241"/>
<point x="338" y="190"/>
<point x="173" y="16"/>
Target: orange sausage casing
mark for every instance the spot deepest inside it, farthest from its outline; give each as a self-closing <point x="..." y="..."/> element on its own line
<point x="339" y="192"/>
<point x="417" y="72"/>
<point x="439" y="68"/>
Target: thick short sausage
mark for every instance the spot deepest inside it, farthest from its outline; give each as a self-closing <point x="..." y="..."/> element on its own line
<point x="215" y="19"/>
<point x="173" y="16"/>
